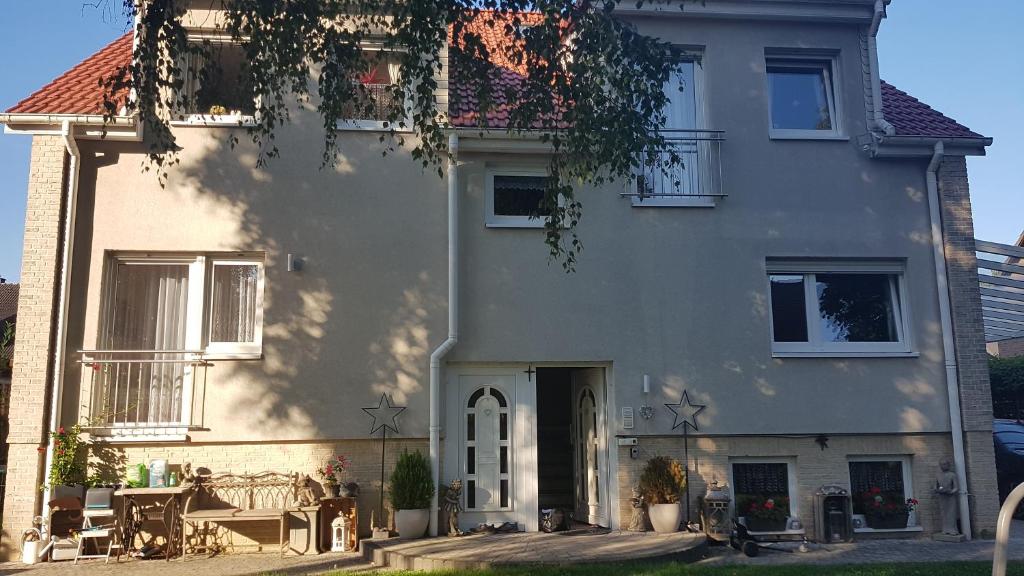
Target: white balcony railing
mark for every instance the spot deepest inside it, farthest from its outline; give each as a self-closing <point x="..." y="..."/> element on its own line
<point x="149" y="392"/>
<point x="697" y="173"/>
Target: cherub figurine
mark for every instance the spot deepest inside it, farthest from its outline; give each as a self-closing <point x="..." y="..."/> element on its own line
<point x="453" y="505"/>
<point x="187" y="477"/>
<point x="638" y="522"/>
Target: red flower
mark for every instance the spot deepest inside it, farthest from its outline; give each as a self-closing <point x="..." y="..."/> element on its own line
<point x="769" y="505"/>
<point x="875" y="490"/>
<point x="60" y="430"/>
<point x="329" y="470"/>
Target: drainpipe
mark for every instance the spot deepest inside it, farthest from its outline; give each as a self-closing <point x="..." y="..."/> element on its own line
<point x="453" y="324"/>
<point x="877" y="118"/>
<point x="948" y="348"/>
<point x="67" y="133"/>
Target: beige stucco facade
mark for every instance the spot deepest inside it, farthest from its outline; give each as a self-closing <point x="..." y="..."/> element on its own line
<point x="677" y="294"/>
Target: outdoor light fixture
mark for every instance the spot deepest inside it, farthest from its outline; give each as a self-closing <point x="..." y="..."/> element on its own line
<point x="294" y="263"/>
<point x="646" y="412"/>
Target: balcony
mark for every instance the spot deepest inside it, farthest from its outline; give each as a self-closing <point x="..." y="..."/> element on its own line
<point x="374" y="102"/>
<point x="144" y="394"/>
<point x="695" y="179"/>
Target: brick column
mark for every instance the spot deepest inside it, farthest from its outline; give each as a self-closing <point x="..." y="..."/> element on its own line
<point x="969" y="333"/>
<point x="40" y="275"/>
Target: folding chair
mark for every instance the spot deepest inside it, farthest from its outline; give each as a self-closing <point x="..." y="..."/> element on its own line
<point x="99" y="521"/>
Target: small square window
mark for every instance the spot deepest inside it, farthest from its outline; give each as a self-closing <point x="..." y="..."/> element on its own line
<point x="375" y="98"/>
<point x="765" y="490"/>
<point x="515" y="200"/>
<point x="802" y="98"/>
<point x="837" y="310"/>
<point x="219" y="86"/>
<point x="881" y="490"/>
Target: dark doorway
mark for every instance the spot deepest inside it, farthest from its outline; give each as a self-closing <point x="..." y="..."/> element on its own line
<point x="555" y="484"/>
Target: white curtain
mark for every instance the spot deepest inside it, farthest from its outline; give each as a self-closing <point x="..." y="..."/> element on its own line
<point x="233" y="316"/>
<point x="680" y="114"/>
<point x="149" y="314"/>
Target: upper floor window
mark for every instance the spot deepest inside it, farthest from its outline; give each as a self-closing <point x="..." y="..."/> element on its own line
<point x="217" y="85"/>
<point x="375" y="99"/>
<point x="514" y="198"/>
<point x="837" y="309"/>
<point x="803" y="97"/>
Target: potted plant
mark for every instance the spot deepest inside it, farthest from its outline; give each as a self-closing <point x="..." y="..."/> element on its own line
<point x="886" y="510"/>
<point x="411" y="490"/>
<point x="661" y="483"/>
<point x="67" y="469"/>
<point x="764" y="513"/>
<point x="331" y="472"/>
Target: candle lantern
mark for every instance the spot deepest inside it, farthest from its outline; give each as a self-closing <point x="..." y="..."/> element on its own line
<point x="341" y="533"/>
<point x="716" y="511"/>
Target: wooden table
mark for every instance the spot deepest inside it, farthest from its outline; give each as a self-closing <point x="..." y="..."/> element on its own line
<point x="166" y="510"/>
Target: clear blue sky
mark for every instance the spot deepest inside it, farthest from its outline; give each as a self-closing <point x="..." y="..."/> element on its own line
<point x="962" y="58"/>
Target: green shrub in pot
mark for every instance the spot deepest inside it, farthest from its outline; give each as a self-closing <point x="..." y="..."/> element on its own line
<point x="411" y="490"/>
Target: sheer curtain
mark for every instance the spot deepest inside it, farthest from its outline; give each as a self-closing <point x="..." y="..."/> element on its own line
<point x="233" y="317"/>
<point x="149" y="313"/>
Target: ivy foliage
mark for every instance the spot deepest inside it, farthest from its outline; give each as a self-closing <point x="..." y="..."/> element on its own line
<point x="586" y="82"/>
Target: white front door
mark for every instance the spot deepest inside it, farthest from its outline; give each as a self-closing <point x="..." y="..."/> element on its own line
<point x="589" y="445"/>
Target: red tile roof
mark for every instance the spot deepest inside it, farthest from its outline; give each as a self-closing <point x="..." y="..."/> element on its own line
<point x="78" y="90"/>
<point x="8" y="302"/>
<point x="911" y="117"/>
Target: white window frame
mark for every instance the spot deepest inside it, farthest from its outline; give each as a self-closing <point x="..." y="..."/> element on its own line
<point x="210" y="120"/>
<point x="700" y="124"/>
<point x="791" y="484"/>
<point x="908" y="484"/>
<point x="829" y="64"/>
<point x="492" y="220"/>
<point x="200" y="299"/>
<point x="237" y="350"/>
<point x="357" y="124"/>
<point x="815" y="346"/>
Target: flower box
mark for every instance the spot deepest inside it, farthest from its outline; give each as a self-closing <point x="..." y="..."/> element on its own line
<point x="887" y="521"/>
<point x="755" y="524"/>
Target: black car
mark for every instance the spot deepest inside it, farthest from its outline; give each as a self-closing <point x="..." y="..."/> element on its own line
<point x="1009" y="445"/>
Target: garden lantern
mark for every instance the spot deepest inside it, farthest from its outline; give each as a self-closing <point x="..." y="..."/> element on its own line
<point x="716" y="511"/>
<point x="341" y="532"/>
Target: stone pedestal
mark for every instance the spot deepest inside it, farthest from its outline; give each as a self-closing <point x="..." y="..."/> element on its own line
<point x="940" y="537"/>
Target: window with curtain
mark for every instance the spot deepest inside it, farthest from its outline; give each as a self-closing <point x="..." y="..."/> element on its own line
<point x="219" y="85"/>
<point x="234" y="287"/>
<point x="874" y="483"/>
<point x="375" y="98"/>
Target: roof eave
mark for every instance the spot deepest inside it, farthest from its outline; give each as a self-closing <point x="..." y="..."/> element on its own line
<point x="88" y="126"/>
<point x="922" y="146"/>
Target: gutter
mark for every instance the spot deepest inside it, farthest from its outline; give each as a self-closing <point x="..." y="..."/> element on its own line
<point x="453" y="325"/>
<point x="948" y="347"/>
<point x="878" y="119"/>
<point x="67" y="133"/>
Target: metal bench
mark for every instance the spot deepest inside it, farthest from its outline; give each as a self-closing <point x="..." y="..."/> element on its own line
<point x="224" y="499"/>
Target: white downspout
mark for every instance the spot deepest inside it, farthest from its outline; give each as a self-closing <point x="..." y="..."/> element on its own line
<point x="67" y="133"/>
<point x="948" y="347"/>
<point x="453" y="324"/>
<point x="876" y="82"/>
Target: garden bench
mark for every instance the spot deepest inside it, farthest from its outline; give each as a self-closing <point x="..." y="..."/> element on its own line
<point x="224" y="499"/>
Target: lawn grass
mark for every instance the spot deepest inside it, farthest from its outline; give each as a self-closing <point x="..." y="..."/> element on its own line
<point x="674" y="569"/>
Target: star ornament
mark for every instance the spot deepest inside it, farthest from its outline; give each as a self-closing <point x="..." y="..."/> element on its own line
<point x="384" y="415"/>
<point x="685" y="412"/>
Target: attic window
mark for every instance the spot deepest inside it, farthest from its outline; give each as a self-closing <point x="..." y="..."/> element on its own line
<point x="514" y="199"/>
<point x="219" y="86"/>
<point x="375" y="99"/>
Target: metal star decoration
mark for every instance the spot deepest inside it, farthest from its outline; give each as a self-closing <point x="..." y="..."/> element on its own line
<point x="384" y="416"/>
<point x="685" y="412"/>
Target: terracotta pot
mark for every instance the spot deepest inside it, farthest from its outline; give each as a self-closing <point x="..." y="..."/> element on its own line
<point x="412" y="523"/>
<point x="665" y="517"/>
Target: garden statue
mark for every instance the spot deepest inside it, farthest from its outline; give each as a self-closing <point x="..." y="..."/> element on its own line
<point x="187" y="477"/>
<point x="947" y="491"/>
<point x="453" y="505"/>
<point x="302" y="490"/>
<point x="638" y="522"/>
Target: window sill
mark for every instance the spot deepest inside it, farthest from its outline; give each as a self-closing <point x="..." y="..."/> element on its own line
<point x="140" y="437"/>
<point x="525" y="224"/>
<point x="371" y="126"/>
<point x="698" y="202"/>
<point x="859" y="354"/>
<point x="806" y="135"/>
<point x="867" y="530"/>
<point x="229" y="121"/>
<point x="214" y="355"/>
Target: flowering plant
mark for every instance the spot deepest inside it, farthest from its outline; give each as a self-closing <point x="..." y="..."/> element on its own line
<point x="774" y="508"/>
<point x="333" y="469"/>
<point x="879" y="503"/>
<point x="67" y="467"/>
<point x="662" y="480"/>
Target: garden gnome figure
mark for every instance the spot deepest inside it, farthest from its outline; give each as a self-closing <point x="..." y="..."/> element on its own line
<point x="453" y="505"/>
<point x="947" y="491"/>
<point x="638" y="523"/>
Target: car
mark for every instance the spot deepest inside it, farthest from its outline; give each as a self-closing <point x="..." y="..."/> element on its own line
<point x="1008" y="436"/>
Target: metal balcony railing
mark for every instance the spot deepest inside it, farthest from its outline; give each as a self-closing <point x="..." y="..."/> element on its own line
<point x="374" y="103"/>
<point x="143" y="391"/>
<point x="696" y="172"/>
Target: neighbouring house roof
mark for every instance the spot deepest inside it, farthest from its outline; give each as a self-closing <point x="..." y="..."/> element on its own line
<point x="78" y="91"/>
<point x="8" y="301"/>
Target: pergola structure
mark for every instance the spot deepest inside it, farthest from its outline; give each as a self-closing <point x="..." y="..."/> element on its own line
<point x="1001" y="274"/>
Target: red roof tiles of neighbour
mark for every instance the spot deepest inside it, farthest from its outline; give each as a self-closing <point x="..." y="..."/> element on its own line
<point x="8" y="302"/>
<point x="911" y="117"/>
<point x="78" y="90"/>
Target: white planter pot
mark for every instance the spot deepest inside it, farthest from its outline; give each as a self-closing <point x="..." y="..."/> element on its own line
<point x="665" y="517"/>
<point x="412" y="523"/>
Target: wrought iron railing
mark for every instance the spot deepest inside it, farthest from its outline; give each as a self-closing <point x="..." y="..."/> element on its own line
<point x="375" y="102"/>
<point x="143" y="391"/>
<point x="689" y="165"/>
